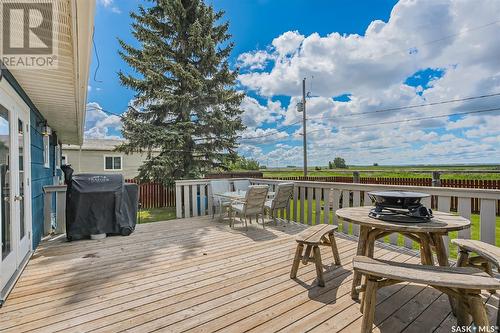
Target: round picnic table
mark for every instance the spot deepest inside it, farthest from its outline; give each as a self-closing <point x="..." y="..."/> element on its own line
<point x="429" y="235"/>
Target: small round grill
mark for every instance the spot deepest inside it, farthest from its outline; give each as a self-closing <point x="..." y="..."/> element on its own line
<point x="397" y="206"/>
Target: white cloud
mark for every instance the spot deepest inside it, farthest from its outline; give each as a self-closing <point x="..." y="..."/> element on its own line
<point x="288" y="43"/>
<point x="99" y="124"/>
<point x="261" y="136"/>
<point x="109" y="4"/>
<point x="256" y="114"/>
<point x="254" y="60"/>
<point x="373" y="68"/>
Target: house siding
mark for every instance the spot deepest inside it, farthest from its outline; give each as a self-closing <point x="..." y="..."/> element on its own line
<point x="92" y="161"/>
<point x="40" y="175"/>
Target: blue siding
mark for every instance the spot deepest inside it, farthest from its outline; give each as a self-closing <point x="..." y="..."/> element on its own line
<point x="40" y="176"/>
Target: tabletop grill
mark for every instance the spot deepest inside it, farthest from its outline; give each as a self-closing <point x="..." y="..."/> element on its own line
<point x="398" y="206"/>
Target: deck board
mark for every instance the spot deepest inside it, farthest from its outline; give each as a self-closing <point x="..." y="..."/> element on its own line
<point x="199" y="275"/>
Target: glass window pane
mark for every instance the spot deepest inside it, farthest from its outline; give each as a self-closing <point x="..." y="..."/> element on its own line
<point x="5" y="181"/>
<point x="118" y="163"/>
<point x="109" y="163"/>
<point x="20" y="137"/>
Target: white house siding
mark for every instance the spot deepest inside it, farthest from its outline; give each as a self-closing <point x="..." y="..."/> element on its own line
<point x="92" y="161"/>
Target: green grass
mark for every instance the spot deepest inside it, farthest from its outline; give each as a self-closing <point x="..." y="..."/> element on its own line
<point x="453" y="250"/>
<point x="392" y="172"/>
<point x="156" y="214"/>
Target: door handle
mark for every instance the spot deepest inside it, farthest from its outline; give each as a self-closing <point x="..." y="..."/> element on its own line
<point x="18" y="198"/>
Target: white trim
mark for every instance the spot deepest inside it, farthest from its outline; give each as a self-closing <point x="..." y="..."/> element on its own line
<point x="121" y="162"/>
<point x="83" y="29"/>
<point x="22" y="247"/>
<point x="57" y="156"/>
<point x="46" y="151"/>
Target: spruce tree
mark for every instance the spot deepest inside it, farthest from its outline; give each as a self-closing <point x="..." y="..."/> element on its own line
<point x="187" y="110"/>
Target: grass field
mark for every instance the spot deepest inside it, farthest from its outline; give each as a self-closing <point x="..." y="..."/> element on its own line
<point x="461" y="172"/>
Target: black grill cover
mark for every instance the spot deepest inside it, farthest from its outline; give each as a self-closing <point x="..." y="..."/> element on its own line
<point x="100" y="204"/>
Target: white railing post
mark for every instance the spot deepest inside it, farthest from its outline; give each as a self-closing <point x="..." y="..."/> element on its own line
<point x="309" y="205"/>
<point x="444" y="205"/>
<point x="203" y="208"/>
<point x="346" y="198"/>
<point x="295" y="202"/>
<point x="356" y="202"/>
<point x="335" y="205"/>
<point x="178" y="201"/>
<point x="464" y="210"/>
<point x="317" y="197"/>
<point x="327" y="194"/>
<point x="187" y="206"/>
<point x="487" y="221"/>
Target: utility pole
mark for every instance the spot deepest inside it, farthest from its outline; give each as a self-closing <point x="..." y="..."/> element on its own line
<point x="304" y="124"/>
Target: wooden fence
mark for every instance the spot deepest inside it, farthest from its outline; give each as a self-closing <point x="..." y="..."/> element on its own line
<point x="155" y="195"/>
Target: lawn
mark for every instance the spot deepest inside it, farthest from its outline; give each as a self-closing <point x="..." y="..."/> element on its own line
<point x="156" y="214"/>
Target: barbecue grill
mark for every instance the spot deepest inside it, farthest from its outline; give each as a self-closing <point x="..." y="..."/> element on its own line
<point x="399" y="206"/>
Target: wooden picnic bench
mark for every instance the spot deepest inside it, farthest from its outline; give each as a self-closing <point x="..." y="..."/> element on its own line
<point x="487" y="256"/>
<point x="312" y="238"/>
<point x="462" y="283"/>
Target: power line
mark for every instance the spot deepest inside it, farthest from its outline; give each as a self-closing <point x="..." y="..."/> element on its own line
<point x="384" y="110"/>
<point x="415" y="49"/>
<point x="412" y="119"/>
<point x="422" y="118"/>
<point x="399" y="108"/>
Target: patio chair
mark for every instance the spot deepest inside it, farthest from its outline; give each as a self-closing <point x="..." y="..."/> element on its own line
<point x="241" y="185"/>
<point x="219" y="187"/>
<point x="284" y="192"/>
<point x="253" y="205"/>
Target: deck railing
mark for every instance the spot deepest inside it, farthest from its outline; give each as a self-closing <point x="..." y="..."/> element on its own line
<point x="316" y="202"/>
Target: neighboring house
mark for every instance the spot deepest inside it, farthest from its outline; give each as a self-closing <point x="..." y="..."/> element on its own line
<point x="40" y="108"/>
<point x="98" y="156"/>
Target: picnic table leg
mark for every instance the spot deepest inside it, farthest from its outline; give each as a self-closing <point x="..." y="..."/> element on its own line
<point x="442" y="258"/>
<point x="319" y="265"/>
<point x="356" y="278"/>
<point x="373" y="235"/>
<point x="425" y="250"/>
<point x="335" y="251"/>
<point x="296" y="261"/>
<point x="307" y="254"/>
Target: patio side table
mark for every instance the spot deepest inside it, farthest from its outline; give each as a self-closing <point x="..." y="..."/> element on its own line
<point x="429" y="235"/>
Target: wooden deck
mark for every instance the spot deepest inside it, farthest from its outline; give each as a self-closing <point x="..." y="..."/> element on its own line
<point x="199" y="275"/>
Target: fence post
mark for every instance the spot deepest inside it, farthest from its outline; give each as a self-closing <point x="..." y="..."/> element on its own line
<point x="436" y="178"/>
<point x="355" y="177"/>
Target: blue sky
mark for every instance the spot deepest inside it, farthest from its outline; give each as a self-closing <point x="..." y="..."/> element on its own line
<point x="358" y="57"/>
